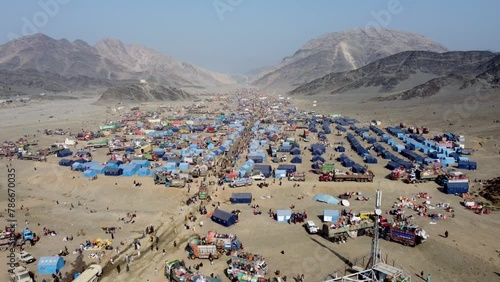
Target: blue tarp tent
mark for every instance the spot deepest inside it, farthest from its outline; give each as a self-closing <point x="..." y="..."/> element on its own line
<point x="113" y="171"/>
<point x="241" y="198"/>
<point x="99" y="169"/>
<point x="318" y="158"/>
<point x="289" y="168"/>
<point x="283" y="215"/>
<point x="64" y="153"/>
<point x="224" y="218"/>
<point x="143" y="171"/>
<point x="89" y="173"/>
<point x="141" y="163"/>
<point x="66" y="162"/>
<point x="265" y="169"/>
<point x="280" y="173"/>
<point x="330" y="215"/>
<point x="184" y="166"/>
<point x="326" y="199"/>
<point x="50" y="265"/>
<point x="76" y="166"/>
<point x="296" y="160"/>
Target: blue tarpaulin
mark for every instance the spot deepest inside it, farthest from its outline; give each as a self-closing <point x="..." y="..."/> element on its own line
<point x="326" y="199"/>
<point x="50" y="265"/>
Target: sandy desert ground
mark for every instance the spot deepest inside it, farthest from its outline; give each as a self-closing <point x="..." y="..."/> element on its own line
<point x="467" y="255"/>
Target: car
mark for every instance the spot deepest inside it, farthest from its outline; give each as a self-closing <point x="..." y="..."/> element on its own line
<point x="25" y="257"/>
<point x="312" y="228"/>
<point x="305" y="139"/>
<point x="258" y="177"/>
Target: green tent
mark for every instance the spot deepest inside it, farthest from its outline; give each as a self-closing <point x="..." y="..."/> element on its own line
<point x="328" y="167"/>
<point x="108" y="127"/>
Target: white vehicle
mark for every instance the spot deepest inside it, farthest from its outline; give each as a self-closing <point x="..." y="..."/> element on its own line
<point x="25" y="257"/>
<point x="258" y="177"/>
<point x="91" y="274"/>
<point x="312" y="228"/>
<point x="20" y="274"/>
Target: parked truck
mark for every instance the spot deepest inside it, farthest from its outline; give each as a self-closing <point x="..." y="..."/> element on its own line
<point x="98" y="144"/>
<point x="408" y="236"/>
<point x="177" y="183"/>
<point x="338" y="176"/>
<point x="247" y="267"/>
<point x="20" y="274"/>
<point x="332" y="232"/>
<point x="240" y="182"/>
<point x="422" y="176"/>
<point x="176" y="271"/>
<point x="202" y="251"/>
<point x="91" y="274"/>
<point x="297" y="176"/>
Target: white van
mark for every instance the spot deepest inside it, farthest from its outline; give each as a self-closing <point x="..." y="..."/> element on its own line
<point x="91" y="274"/>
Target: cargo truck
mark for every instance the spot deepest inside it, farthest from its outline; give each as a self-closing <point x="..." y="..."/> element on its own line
<point x="297" y="176"/>
<point x="91" y="274"/>
<point x="202" y="251"/>
<point x="338" y="176"/>
<point x="408" y="236"/>
<point x="176" y="271"/>
<point x="336" y="232"/>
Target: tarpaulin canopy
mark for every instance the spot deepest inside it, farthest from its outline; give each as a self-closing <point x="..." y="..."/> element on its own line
<point x="50" y="265"/>
<point x="325" y="198"/>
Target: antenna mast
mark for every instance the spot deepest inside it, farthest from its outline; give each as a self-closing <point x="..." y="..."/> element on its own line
<point x="374" y="257"/>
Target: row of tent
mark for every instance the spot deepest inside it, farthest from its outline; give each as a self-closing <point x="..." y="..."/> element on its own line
<point x="347" y="162"/>
<point x="360" y="150"/>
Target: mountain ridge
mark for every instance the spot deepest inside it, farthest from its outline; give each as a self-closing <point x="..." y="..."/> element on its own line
<point x="342" y="51"/>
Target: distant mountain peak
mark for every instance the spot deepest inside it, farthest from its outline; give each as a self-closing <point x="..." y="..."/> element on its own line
<point x="108" y="59"/>
<point x="342" y="51"/>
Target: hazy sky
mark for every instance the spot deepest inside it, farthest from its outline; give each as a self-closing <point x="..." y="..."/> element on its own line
<point x="235" y="36"/>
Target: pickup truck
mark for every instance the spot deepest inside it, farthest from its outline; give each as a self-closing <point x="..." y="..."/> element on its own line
<point x="312" y="228"/>
<point x="25" y="257"/>
<point x="241" y="182"/>
<point x="297" y="176"/>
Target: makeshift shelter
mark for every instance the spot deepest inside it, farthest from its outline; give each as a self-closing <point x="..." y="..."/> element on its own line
<point x="318" y="158"/>
<point x="283" y="215"/>
<point x="295" y="151"/>
<point x="280" y="173"/>
<point x="143" y="171"/>
<point x="113" y="171"/>
<point x="241" y="198"/>
<point x="264" y="169"/>
<point x="296" y="160"/>
<point x="99" y="169"/>
<point x="89" y="173"/>
<point x="340" y="149"/>
<point x="66" y="162"/>
<point x="289" y="168"/>
<point x="141" y="163"/>
<point x="64" y="153"/>
<point x="224" y="218"/>
<point x="330" y="215"/>
<point x="325" y="198"/>
<point x="50" y="265"/>
<point x="184" y="166"/>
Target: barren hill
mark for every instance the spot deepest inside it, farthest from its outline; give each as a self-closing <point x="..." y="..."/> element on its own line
<point x="340" y="52"/>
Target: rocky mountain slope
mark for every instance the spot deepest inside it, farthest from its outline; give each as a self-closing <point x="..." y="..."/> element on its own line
<point x="340" y="52"/>
<point x="108" y="60"/>
<point x="407" y="74"/>
<point x="139" y="92"/>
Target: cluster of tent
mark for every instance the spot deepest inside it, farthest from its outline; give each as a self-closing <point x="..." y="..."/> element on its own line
<point x="435" y="153"/>
<point x="360" y="150"/>
<point x="111" y="168"/>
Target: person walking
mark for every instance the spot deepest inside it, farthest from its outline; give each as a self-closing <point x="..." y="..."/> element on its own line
<point x="446" y="234"/>
<point x="118" y="268"/>
<point x="428" y="278"/>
